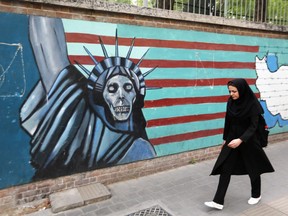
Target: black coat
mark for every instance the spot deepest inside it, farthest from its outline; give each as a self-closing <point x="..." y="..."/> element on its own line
<point x="248" y="157"/>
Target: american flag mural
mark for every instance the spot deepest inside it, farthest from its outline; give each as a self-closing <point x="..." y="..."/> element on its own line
<point x="185" y="109"/>
<point x="186" y="93"/>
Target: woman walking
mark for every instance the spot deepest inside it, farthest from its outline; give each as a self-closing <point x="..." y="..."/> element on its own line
<point x="241" y="151"/>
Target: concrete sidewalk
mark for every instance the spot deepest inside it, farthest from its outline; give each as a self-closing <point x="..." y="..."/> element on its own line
<point x="182" y="192"/>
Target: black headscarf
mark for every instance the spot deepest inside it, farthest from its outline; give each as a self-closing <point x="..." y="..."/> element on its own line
<point x="247" y="104"/>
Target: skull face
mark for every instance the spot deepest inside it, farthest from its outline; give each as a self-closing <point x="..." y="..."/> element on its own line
<point x="119" y="94"/>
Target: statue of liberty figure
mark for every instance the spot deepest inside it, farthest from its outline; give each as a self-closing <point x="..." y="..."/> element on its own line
<point x="78" y="119"/>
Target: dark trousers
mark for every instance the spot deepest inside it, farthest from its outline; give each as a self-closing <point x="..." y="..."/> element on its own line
<point x="223" y="184"/>
<point x="225" y="176"/>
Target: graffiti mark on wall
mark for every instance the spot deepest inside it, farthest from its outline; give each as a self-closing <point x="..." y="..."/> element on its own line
<point x="80" y="122"/>
<point x="12" y="81"/>
<point x="272" y="82"/>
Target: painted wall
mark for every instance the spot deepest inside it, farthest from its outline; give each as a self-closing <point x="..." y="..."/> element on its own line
<point x="55" y="84"/>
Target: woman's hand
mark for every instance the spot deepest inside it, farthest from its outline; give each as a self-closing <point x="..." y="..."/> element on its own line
<point x="235" y="143"/>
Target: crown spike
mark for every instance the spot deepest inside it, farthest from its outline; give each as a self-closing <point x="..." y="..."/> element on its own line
<point x="142" y="58"/>
<point x="116" y="45"/>
<point x="148" y="72"/>
<point x="85" y="70"/>
<point x="91" y="56"/>
<point x="130" y="49"/>
<point x="103" y="48"/>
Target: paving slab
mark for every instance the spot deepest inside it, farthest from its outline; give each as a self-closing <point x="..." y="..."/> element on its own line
<point x="94" y="193"/>
<point x="263" y="210"/>
<point x="76" y="197"/>
<point x="281" y="204"/>
<point x="65" y="200"/>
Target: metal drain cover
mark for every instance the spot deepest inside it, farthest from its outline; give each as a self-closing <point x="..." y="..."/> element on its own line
<point x="153" y="211"/>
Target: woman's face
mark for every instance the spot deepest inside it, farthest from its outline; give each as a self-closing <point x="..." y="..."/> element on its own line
<point x="233" y="91"/>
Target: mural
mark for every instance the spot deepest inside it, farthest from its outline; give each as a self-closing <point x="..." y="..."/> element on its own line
<point x="272" y="84"/>
<point x="79" y="95"/>
<point x="78" y="123"/>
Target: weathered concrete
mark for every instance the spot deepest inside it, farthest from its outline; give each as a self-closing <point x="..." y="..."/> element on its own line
<point x="65" y="200"/>
<point x="77" y="197"/>
<point x="94" y="193"/>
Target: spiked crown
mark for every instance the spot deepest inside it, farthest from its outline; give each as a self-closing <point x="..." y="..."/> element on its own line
<point x="107" y="68"/>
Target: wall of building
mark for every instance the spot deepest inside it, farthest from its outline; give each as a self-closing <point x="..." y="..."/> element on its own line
<point x="57" y="132"/>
